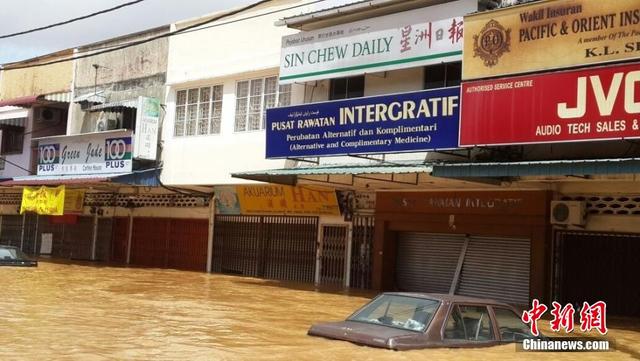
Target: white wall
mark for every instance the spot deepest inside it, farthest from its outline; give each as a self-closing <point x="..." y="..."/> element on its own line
<point x="23" y="159"/>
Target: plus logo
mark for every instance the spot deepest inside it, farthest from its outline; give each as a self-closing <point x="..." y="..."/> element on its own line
<point x="117" y="152"/>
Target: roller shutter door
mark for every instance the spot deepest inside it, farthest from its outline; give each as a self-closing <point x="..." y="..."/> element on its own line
<point x="427" y="262"/>
<point x="496" y="268"/>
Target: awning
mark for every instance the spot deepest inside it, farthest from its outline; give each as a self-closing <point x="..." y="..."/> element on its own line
<point x="291" y="176"/>
<point x="114" y="106"/>
<point x="538" y="168"/>
<point x="61" y="97"/>
<point x="95" y="98"/>
<point x="27" y="101"/>
<point x="19" y="102"/>
<point x="145" y="177"/>
<point x="14" y="122"/>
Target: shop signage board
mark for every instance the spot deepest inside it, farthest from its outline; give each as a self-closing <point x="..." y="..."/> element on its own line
<point x="93" y="153"/>
<point x="407" y="39"/>
<point x="592" y="104"/>
<point x="395" y="123"/>
<point x="275" y="199"/>
<point x="550" y="34"/>
<point x="147" y="123"/>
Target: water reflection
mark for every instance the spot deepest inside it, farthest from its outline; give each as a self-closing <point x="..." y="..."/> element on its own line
<point x="71" y="312"/>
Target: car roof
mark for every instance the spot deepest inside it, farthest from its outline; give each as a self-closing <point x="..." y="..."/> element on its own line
<point x="448" y="298"/>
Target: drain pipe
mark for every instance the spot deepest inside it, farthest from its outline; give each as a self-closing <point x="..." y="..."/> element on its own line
<point x="212" y="219"/>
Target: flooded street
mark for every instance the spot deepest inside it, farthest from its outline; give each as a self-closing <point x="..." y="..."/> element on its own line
<point x="80" y="312"/>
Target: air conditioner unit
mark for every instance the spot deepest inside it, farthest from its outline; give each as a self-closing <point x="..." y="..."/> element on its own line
<point x="568" y="213"/>
<point x="47" y="115"/>
<point x="106" y="123"/>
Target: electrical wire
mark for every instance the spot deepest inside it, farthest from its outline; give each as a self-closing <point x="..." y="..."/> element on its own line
<point x="190" y="28"/>
<point x="71" y="20"/>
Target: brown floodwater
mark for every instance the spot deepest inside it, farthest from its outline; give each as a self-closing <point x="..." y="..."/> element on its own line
<point x="82" y="312"/>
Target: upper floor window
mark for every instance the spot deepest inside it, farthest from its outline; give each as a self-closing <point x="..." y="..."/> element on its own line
<point x="344" y="88"/>
<point x="253" y="97"/>
<point x="198" y="111"/>
<point x="442" y="75"/>
<point x="12" y="139"/>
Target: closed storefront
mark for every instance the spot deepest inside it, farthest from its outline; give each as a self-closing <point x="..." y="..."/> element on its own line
<point x="486" y="267"/>
<point x="168" y="243"/>
<point x="481" y="244"/>
<point x="273" y="247"/>
<point x="596" y="266"/>
<point x="11" y="231"/>
<point x="78" y="239"/>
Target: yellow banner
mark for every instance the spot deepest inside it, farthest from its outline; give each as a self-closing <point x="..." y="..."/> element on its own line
<point x="73" y="201"/>
<point x="276" y="199"/>
<point x="43" y="200"/>
<point x="550" y="34"/>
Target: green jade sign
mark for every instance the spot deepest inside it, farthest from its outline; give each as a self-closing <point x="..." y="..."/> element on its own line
<point x="408" y="39"/>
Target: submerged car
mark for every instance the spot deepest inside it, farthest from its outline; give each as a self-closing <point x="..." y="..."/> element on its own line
<point x="403" y="321"/>
<point x="12" y="256"/>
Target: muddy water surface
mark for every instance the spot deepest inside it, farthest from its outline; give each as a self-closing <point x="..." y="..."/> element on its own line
<point x="81" y="312"/>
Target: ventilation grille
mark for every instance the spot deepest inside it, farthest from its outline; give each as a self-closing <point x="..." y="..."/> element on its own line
<point x="10" y="198"/>
<point x="145" y="200"/>
<point x="616" y="205"/>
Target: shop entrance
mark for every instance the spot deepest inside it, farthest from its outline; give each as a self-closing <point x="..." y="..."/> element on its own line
<point x="487" y="267"/>
<point x="272" y="247"/>
<point x="594" y="267"/>
<point x="332" y="254"/>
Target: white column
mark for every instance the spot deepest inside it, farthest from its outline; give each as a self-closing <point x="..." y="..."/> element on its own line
<point x="212" y="220"/>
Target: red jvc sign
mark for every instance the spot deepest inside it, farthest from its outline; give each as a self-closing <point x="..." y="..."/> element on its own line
<point x="594" y="104"/>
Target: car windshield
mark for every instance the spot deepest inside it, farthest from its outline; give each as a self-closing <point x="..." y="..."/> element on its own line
<point x="405" y="312"/>
<point x="11" y="254"/>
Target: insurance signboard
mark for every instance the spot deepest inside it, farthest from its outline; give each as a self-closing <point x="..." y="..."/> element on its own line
<point x="395" y="123"/>
<point x="592" y="104"/>
<point x="94" y="153"/>
<point x="550" y="34"/>
<point x="403" y="40"/>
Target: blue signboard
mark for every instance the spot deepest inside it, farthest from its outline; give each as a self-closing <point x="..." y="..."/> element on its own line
<point x="407" y="122"/>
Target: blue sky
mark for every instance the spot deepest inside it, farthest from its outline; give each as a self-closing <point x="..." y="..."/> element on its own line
<point x="27" y="14"/>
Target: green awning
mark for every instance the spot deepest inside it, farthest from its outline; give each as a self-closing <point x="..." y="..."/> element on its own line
<point x="538" y="168"/>
<point x="290" y="175"/>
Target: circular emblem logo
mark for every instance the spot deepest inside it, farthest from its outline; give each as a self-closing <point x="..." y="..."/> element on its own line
<point x="492" y="41"/>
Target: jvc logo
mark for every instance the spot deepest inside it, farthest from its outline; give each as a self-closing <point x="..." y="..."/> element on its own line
<point x="605" y="99"/>
<point x="48" y="154"/>
<point x="116" y="149"/>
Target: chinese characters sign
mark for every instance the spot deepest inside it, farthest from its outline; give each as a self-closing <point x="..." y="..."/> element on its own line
<point x="276" y="199"/>
<point x="96" y="153"/>
<point x="147" y="120"/>
<point x="550" y="34"/>
<point x="594" y="104"/>
<point x="406" y="122"/>
<point x="403" y="40"/>
<point x="43" y="200"/>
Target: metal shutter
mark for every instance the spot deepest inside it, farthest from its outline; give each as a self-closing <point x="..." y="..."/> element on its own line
<point x="427" y="262"/>
<point x="496" y="268"/>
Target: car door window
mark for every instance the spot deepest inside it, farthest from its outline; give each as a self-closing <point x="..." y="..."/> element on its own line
<point x="511" y="327"/>
<point x="469" y="323"/>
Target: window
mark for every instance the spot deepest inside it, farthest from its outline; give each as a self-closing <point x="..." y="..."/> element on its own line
<point x="470" y="323"/>
<point x="511" y="326"/>
<point x="409" y="313"/>
<point x="442" y="75"/>
<point x="254" y="97"/>
<point x="12" y="140"/>
<point x="344" y="88"/>
<point x="198" y="111"/>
